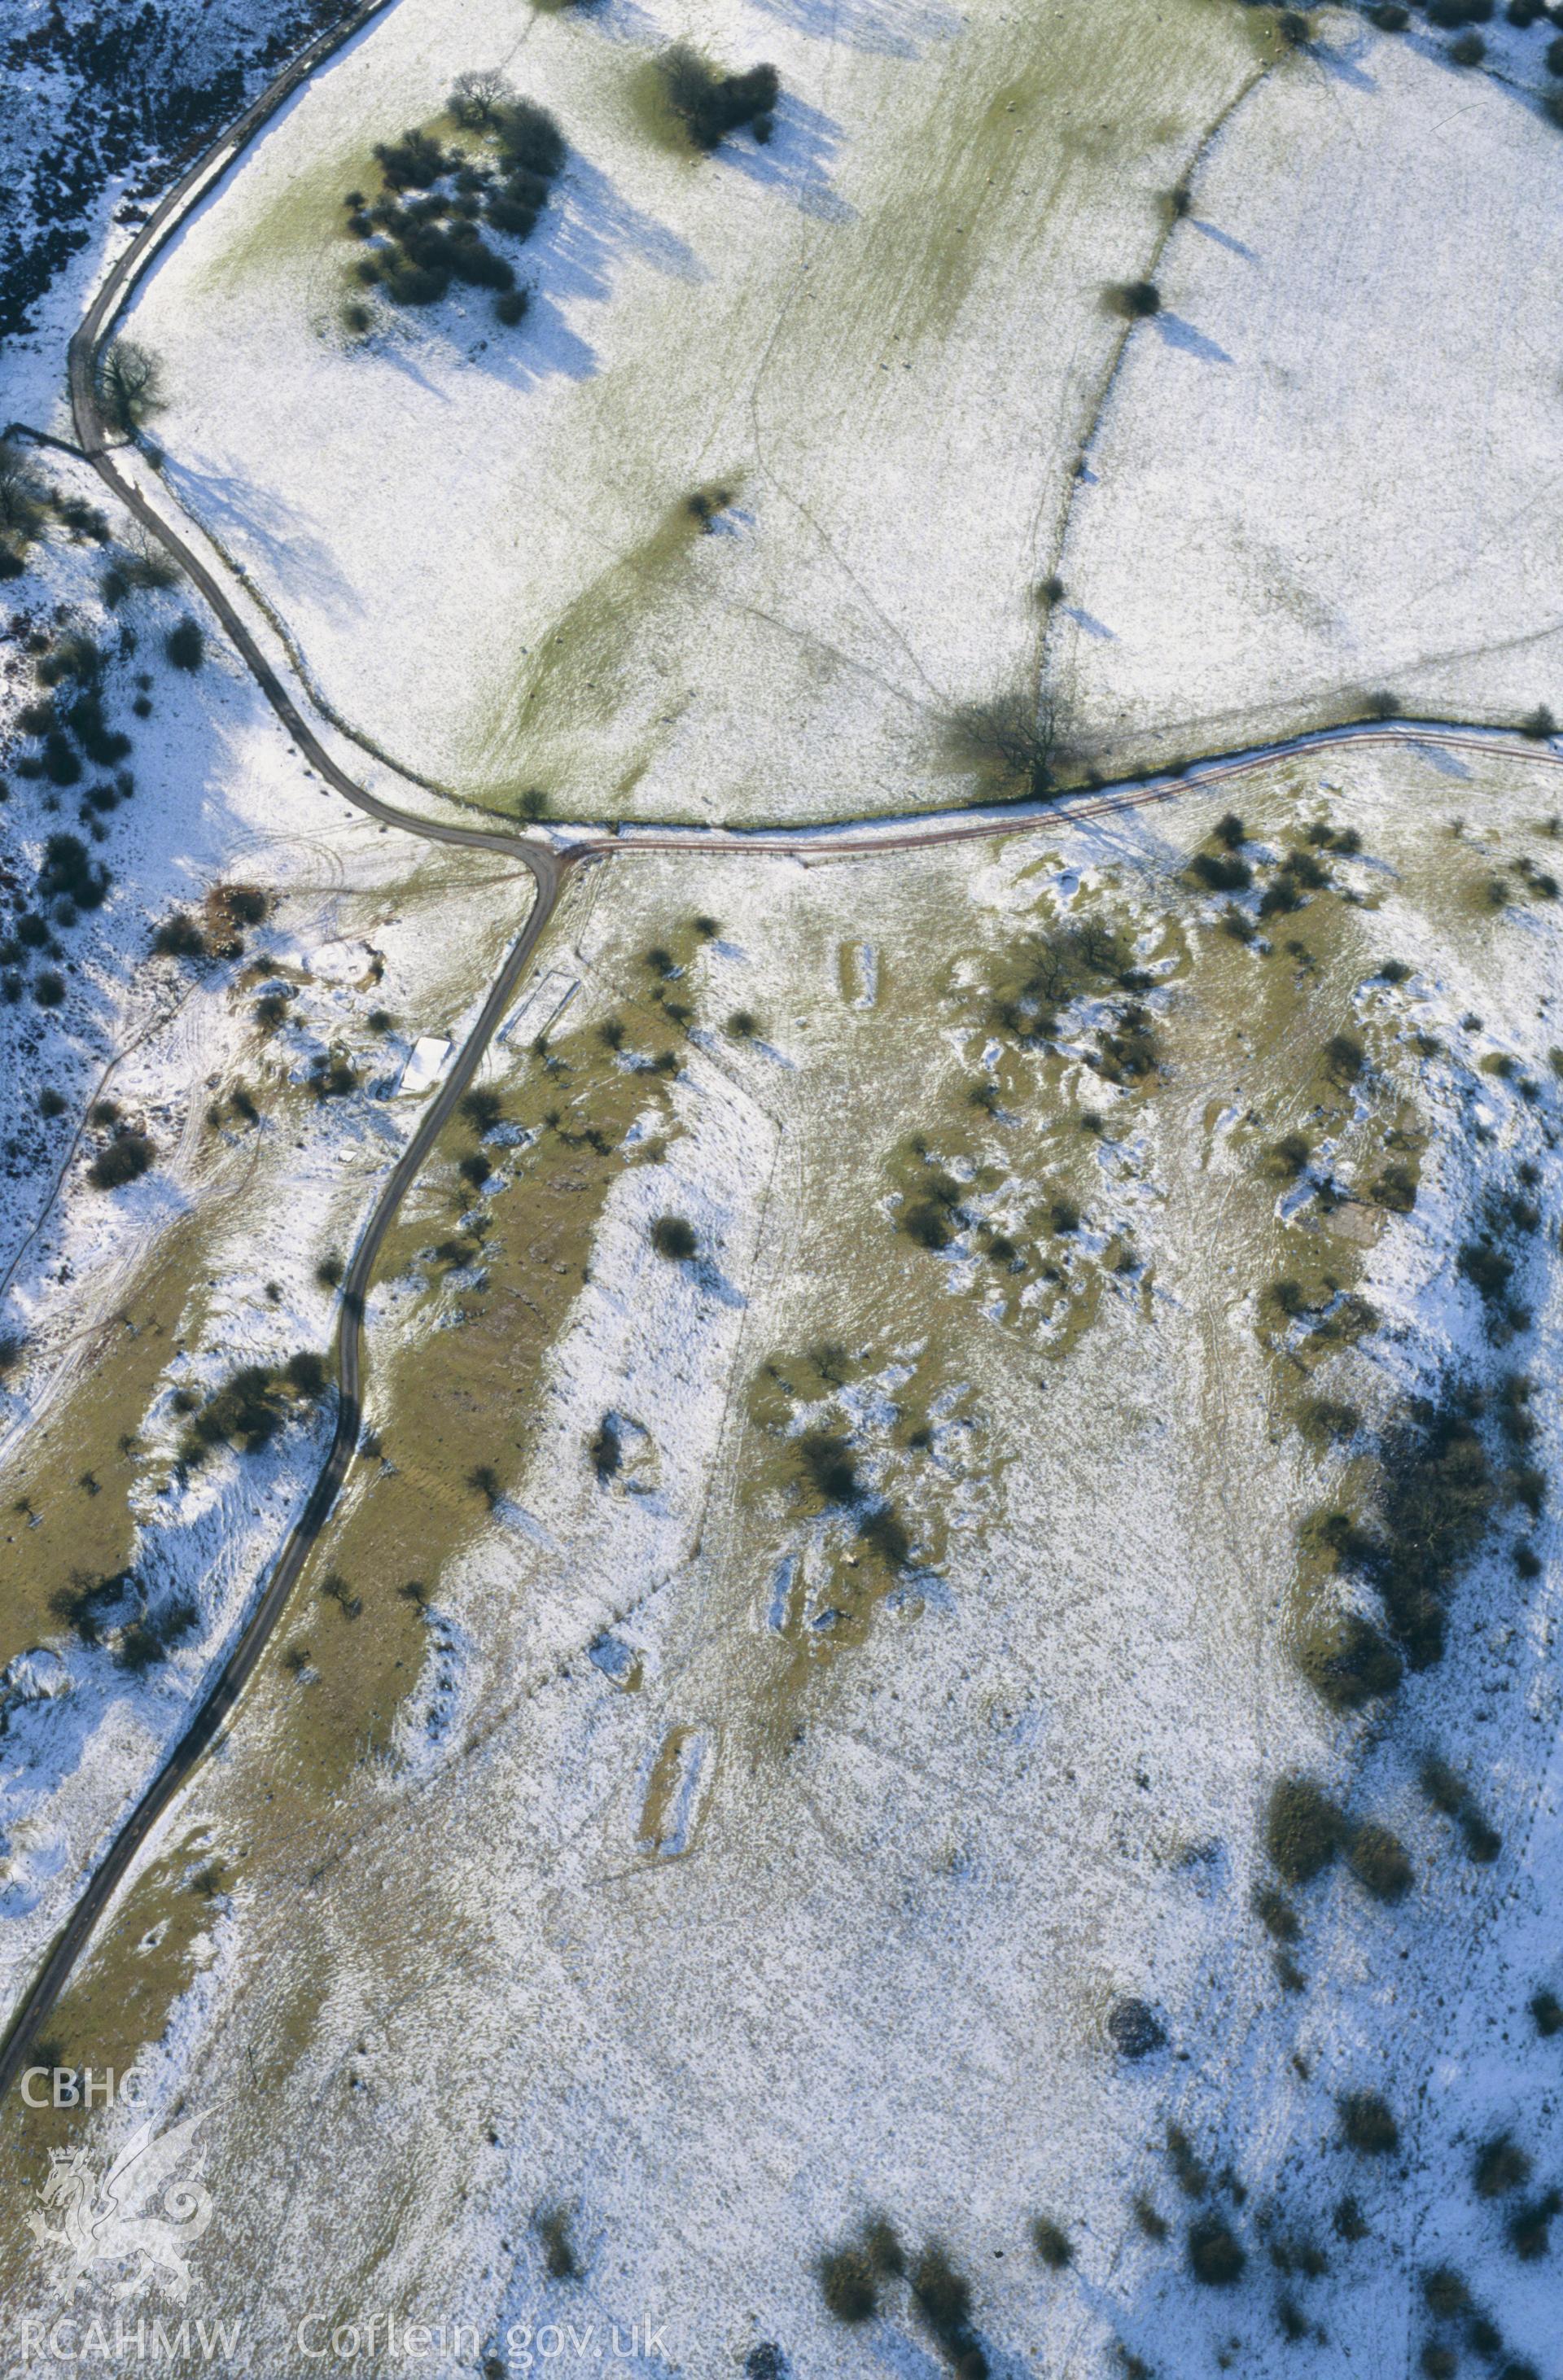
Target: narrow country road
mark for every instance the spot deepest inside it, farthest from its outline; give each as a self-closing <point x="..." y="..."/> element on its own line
<point x="550" y="856"/>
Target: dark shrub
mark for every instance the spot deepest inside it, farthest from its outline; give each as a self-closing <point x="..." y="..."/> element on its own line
<point x="1366" y="2124"/>
<point x="1441" y="1786"/>
<point x="1214" y="2257"/>
<point x="484" y="1479"/>
<point x="1343" y="1059"/>
<point x="1276" y="1915"/>
<point x="943" y="2298"/>
<point x="306" y="1374"/>
<point x="605" y="1448"/>
<point x="1135" y="301"/>
<point x="1324" y="1421"/>
<point x="709" y="104"/>
<point x="1193" y="2178"/>
<point x="1468" y="50"/>
<point x="1378" y="1859"/>
<point x="69" y="873"/>
<point x="1555" y="56"/>
<point x="1395" y="1188"/>
<point x="927" y="1222"/>
<point x="48" y="988"/>
<point x="510" y="307"/>
<point x="530" y="139"/>
<point x="179" y="937"/>
<point x="1540" y="723"/>
<point x="332" y="1078"/>
<point x="1135" y="2029"/>
<point x="89" y="1604"/>
<point x="1500" y="2166"/>
<point x="1488" y="1270"/>
<point x="416" y="284"/>
<point x="560" y="2260"/>
<point x="1221" y="872"/>
<point x="483" y="1109"/>
<point x="674" y="1238"/>
<point x="329" y="1272"/>
<point x="849" y="2286"/>
<point x="1483" y="1843"/>
<point x="1290" y="1155"/>
<point x="882" y="2246"/>
<point x="1445" y="2293"/>
<point x="1304" y="1829"/>
<point x="473" y="263"/>
<point x="1437" y="1501"/>
<point x="475" y="1168"/>
<point x="186" y="645"/>
<point x="61" y="765"/>
<point x="51" y="1102"/>
<point x="125" y="1159"/>
<point x="1051" y="2242"/>
<point x="1530" y="2228"/>
<point x="414" y="163"/>
<point x="1546" y="2013"/>
<point x="1353" y="1664"/>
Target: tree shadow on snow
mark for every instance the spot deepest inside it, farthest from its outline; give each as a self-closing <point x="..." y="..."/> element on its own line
<point x="797" y="160"/>
<point x="261" y="530"/>
<point x="583" y="242"/>
<point x="888" y="29"/>
<point x="1176" y="332"/>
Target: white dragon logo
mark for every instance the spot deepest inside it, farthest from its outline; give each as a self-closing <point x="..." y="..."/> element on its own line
<point x="112" y="2224"/>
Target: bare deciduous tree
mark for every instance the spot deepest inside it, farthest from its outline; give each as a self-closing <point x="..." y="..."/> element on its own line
<point x="1015" y="734"/>
<point x="477" y="96"/>
<point x="130" y="385"/>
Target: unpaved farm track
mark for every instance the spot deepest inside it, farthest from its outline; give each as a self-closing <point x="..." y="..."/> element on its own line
<point x="550" y="856"/>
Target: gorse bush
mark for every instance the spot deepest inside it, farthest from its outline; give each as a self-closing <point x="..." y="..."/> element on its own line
<point x="710" y="105"/>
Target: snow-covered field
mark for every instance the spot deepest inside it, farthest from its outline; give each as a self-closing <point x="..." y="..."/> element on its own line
<point x="724" y="1869"/>
<point x="1332" y="466"/>
<point x="879" y="340"/>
